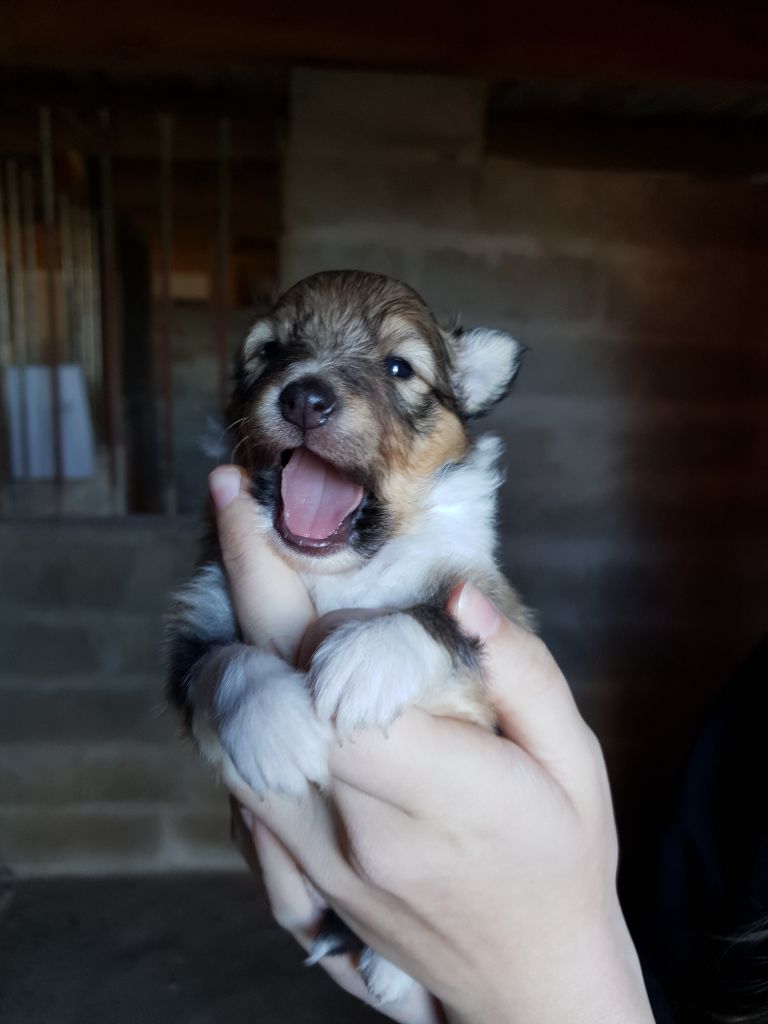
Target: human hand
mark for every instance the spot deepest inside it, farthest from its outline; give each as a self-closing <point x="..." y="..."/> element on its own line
<point x="483" y="865"/>
<point x="274" y="610"/>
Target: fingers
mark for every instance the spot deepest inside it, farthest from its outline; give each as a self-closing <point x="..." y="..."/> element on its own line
<point x="533" y="702"/>
<point x="298" y="909"/>
<point x="290" y="899"/>
<point x="271" y="603"/>
<point x="307" y="828"/>
<point x="295" y="906"/>
<point x="421" y="765"/>
<point x="240" y="832"/>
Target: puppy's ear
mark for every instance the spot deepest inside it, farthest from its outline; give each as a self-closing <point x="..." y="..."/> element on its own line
<point x="485" y="362"/>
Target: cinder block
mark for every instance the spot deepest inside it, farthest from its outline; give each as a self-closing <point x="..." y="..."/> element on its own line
<point x="360" y="114"/>
<point x="197" y="839"/>
<point x="716" y="299"/>
<point x="60" y="642"/>
<point x="670" y="593"/>
<point x="594" y="364"/>
<point x="377" y="201"/>
<point x="86" y="714"/>
<point x="48" y="649"/>
<point x="308" y="257"/>
<point x="51" y="574"/>
<point x="127" y="642"/>
<point x="126" y="564"/>
<point x="519" y="290"/>
<point x="48" y="774"/>
<point x="608" y="208"/>
<point x="80" y="840"/>
<point x="157" y="570"/>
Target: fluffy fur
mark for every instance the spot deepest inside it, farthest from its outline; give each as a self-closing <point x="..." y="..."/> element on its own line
<point x="402" y="391"/>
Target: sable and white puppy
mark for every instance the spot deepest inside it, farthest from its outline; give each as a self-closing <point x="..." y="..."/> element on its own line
<point x="349" y="414"/>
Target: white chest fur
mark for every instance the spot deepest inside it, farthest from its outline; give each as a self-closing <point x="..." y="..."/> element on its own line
<point x="453" y="530"/>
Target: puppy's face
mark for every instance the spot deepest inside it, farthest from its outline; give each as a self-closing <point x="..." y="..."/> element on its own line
<point x="349" y="398"/>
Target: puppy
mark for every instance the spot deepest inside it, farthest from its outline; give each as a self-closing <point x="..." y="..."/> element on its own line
<point x="349" y="414"/>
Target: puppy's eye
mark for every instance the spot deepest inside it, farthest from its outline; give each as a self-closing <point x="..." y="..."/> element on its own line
<point x="269" y="350"/>
<point x="398" y="367"/>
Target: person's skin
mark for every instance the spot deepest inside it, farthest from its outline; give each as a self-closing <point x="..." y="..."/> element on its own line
<point x="483" y="865"/>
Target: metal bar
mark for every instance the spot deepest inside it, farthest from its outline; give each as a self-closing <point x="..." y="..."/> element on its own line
<point x="77" y="255"/>
<point x="80" y="244"/>
<point x="30" y="255"/>
<point x="79" y="294"/>
<point x="18" y="313"/>
<point x="92" y="301"/>
<point x="30" y="275"/>
<point x="222" y="260"/>
<point x="111" y="326"/>
<point x="71" y="340"/>
<point x="165" y="311"/>
<point x="54" y="353"/>
<point x="5" y="359"/>
<point x="5" y="316"/>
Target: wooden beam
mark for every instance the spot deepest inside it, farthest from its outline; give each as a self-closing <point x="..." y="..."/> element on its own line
<point x="202" y="91"/>
<point x="705" y="146"/>
<point x="636" y="40"/>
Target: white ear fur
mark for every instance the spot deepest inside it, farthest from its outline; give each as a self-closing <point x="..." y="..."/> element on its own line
<point x="485" y="364"/>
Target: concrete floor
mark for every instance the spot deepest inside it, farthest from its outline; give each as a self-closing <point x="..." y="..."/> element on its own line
<point x="181" y="948"/>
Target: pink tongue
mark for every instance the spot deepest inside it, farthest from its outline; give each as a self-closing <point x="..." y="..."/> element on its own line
<point x="316" y="498"/>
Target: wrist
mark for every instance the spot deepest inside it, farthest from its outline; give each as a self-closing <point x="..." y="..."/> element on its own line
<point x="590" y="976"/>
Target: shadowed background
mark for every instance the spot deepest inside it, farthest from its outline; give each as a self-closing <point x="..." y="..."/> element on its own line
<point x="596" y="186"/>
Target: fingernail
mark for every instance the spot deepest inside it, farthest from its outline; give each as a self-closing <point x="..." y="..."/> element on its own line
<point x="224" y="483"/>
<point x="474" y="612"/>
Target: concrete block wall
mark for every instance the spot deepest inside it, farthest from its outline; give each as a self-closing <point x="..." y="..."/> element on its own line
<point x="93" y="776"/>
<point x="635" y="512"/>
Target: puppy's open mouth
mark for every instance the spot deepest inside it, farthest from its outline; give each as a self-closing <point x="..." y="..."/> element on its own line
<point x="318" y="504"/>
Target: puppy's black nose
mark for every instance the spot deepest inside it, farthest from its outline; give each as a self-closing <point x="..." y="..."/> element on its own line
<point x="308" y="402"/>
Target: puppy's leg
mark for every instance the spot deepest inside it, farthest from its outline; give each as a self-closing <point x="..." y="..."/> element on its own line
<point x="367" y="673"/>
<point x="201" y="619"/>
<point x="240" y="702"/>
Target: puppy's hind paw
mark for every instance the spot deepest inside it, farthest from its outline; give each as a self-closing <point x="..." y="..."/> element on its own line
<point x="333" y="938"/>
<point x="385" y="982"/>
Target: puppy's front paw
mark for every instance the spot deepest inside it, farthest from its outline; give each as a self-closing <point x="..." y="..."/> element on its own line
<point x="368" y="673"/>
<point x="266" y="722"/>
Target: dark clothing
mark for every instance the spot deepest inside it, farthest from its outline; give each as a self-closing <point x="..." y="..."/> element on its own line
<point x="712" y="883"/>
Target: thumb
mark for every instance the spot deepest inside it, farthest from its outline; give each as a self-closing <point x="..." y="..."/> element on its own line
<point x="532" y="700"/>
<point x="271" y="603"/>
